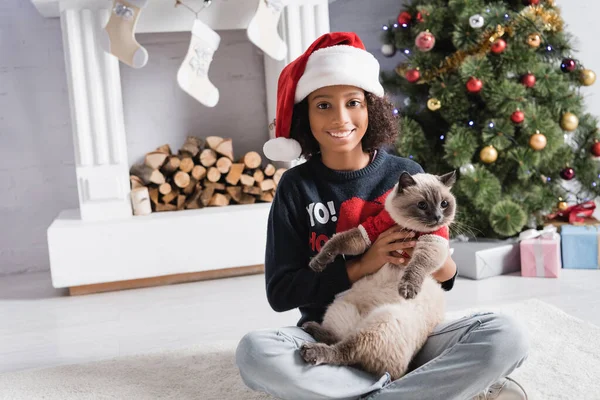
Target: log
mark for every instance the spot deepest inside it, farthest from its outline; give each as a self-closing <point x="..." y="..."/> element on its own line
<point x="247" y="180"/>
<point x="165" y="188"/>
<point x="187" y="165"/>
<point x="218" y="186"/>
<point x="166" y="207"/>
<point x="235" y="172"/>
<point x="153" y="195"/>
<point x="140" y="201"/>
<point x="213" y="142"/>
<point x="213" y="174"/>
<point x="225" y="148"/>
<point x="224" y="164"/>
<point x="135" y="182"/>
<point x="171" y="165"/>
<point x="219" y="200"/>
<point x="147" y="174"/>
<point x="208" y="157"/>
<point x="193" y="201"/>
<point x="180" y="202"/>
<point x="270" y="170"/>
<point x="267" y="184"/>
<point x="206" y="195"/>
<point x="189" y="189"/>
<point x="155" y="159"/>
<point x="199" y="172"/>
<point x="191" y="146"/>
<point x="172" y="195"/>
<point x="165" y="148"/>
<point x="252" y="190"/>
<point x="247" y="199"/>
<point x="259" y="176"/>
<point x="181" y="179"/>
<point x="267" y="196"/>
<point x="252" y="160"/>
<point x="278" y="174"/>
<point x="235" y="192"/>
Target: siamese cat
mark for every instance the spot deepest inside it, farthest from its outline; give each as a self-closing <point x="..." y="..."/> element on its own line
<point x="384" y="319"/>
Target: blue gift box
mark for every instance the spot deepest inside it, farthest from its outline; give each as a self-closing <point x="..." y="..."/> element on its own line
<point x="579" y="246"/>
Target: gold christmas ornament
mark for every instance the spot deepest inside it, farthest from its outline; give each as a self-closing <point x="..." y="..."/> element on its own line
<point x="569" y="122"/>
<point x="434" y="104"/>
<point x="488" y="154"/>
<point x="537" y="141"/>
<point x="562" y="205"/>
<point x="534" y="40"/>
<point x="588" y="77"/>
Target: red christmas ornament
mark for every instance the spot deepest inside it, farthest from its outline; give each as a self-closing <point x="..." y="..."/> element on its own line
<point x="567" y="173"/>
<point x="568" y="65"/>
<point x="596" y="149"/>
<point x="517" y="117"/>
<point x="528" y="80"/>
<point x="419" y="17"/>
<point x="404" y="18"/>
<point x="498" y="46"/>
<point x="531" y="2"/>
<point x="425" y="41"/>
<point x="412" y="75"/>
<point x="474" y="85"/>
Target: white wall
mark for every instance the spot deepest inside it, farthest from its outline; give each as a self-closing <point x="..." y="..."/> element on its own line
<point x="37" y="178"/>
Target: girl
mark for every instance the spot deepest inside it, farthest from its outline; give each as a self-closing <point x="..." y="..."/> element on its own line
<point x="331" y="109"/>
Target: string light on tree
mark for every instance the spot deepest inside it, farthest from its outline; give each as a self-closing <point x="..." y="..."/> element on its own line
<point x="434" y="104"/>
<point x="476" y="21"/>
<point x="534" y="40"/>
<point x="425" y="41"/>
<point x="569" y="122"/>
<point x="568" y="65"/>
<point x="587" y="77"/>
<point x="474" y="85"/>
<point x="488" y="154"/>
<point x="537" y="141"/>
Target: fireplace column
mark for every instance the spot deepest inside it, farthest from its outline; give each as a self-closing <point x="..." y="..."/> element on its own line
<point x="96" y="117"/>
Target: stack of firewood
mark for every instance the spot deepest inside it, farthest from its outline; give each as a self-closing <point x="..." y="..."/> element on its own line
<point x="203" y="173"/>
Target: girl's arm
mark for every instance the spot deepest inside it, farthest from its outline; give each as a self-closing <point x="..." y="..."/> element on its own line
<point x="290" y="283"/>
<point x="446" y="274"/>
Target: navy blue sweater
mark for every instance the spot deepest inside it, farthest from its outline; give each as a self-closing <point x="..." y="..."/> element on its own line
<point x="311" y="204"/>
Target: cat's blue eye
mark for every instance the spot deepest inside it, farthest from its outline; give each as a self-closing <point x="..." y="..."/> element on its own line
<point x="422" y="205"/>
<point x="444" y="204"/>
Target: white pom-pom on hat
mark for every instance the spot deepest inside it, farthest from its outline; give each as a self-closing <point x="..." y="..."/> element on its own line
<point x="282" y="149"/>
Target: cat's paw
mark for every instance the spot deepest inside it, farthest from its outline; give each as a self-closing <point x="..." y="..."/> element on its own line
<point x="408" y="290"/>
<point x="313" y="353"/>
<point x="319" y="262"/>
<point x="311" y="327"/>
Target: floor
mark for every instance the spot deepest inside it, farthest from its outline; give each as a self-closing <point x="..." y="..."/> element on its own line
<point x="42" y="326"/>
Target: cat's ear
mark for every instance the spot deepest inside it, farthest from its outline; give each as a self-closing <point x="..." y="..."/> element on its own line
<point x="448" y="179"/>
<point x="405" y="181"/>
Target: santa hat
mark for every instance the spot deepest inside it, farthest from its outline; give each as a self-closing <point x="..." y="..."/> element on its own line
<point x="337" y="58"/>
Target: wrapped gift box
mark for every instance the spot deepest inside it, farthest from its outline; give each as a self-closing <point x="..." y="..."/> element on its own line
<point x="540" y="253"/>
<point x="482" y="258"/>
<point x="580" y="246"/>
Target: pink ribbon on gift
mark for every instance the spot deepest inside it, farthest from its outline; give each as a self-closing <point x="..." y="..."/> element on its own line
<point x="548" y="232"/>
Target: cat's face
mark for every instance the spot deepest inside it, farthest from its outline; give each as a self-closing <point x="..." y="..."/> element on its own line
<point x="423" y="202"/>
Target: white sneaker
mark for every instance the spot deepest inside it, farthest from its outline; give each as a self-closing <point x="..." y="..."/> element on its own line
<point x="504" y="389"/>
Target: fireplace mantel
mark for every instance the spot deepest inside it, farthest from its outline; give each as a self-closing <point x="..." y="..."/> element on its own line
<point x="99" y="138"/>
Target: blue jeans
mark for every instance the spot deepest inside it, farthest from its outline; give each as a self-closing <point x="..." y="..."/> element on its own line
<point x="459" y="360"/>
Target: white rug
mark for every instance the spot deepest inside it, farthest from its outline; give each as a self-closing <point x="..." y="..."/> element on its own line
<point x="564" y="363"/>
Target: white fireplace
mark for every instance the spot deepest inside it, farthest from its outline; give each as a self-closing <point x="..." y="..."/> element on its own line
<point x="102" y="242"/>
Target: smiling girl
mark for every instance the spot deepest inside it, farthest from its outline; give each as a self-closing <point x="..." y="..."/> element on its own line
<point x="331" y="109"/>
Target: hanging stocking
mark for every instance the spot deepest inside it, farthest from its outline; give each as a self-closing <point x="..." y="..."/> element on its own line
<point x="262" y="30"/>
<point x="118" y="37"/>
<point x="193" y="73"/>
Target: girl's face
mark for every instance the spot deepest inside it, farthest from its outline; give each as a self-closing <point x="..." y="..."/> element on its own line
<point x="338" y="118"/>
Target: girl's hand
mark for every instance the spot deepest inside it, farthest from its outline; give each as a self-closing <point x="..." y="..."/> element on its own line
<point x="386" y="249"/>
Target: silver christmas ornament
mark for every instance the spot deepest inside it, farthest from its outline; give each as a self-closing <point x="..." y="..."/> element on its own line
<point x="476" y="21"/>
<point x="388" y="50"/>
<point x="467" y="169"/>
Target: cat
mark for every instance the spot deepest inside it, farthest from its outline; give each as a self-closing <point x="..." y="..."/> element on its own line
<point x="382" y="321"/>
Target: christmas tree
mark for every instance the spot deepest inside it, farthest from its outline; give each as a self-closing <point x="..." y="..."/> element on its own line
<point x="492" y="90"/>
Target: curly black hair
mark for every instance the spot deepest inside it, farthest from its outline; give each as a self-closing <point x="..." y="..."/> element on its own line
<point x="382" y="128"/>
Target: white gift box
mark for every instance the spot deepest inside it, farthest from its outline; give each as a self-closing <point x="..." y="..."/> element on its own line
<point x="481" y="258"/>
